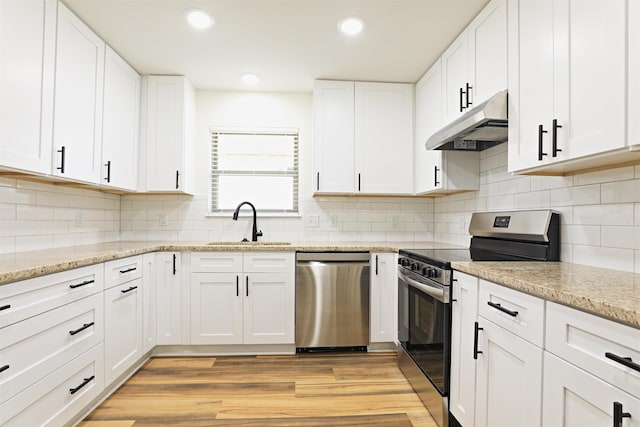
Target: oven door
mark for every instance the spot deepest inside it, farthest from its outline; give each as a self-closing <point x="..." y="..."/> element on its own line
<point x="424" y="331"/>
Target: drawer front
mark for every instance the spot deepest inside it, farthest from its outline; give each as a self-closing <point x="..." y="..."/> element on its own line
<point x="269" y="262"/>
<point x="28" y="298"/>
<point x="32" y="349"/>
<point x="585" y="340"/>
<point x="58" y="398"/>
<point x="515" y="311"/>
<point x="120" y="271"/>
<point x="216" y="262"/>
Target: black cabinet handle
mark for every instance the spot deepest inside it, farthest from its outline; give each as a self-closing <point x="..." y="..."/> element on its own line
<point x="4" y="368"/>
<point x="540" y="152"/>
<point x="124" y="291"/>
<point x="318" y="181"/>
<point x="85" y="283"/>
<point x="435" y="176"/>
<point x="626" y="361"/>
<point x="177" y="179"/>
<point x="461" y="98"/>
<point x="358" y="182"/>
<point x="62" y="152"/>
<point x="502" y="309"/>
<point x="376" y="265"/>
<point x="108" y="165"/>
<point x="476" y="329"/>
<point x="247" y="282"/>
<point x="127" y="270"/>
<point x="554" y="138"/>
<point x="618" y="414"/>
<point x="174" y="264"/>
<point x="469" y="87"/>
<point x="237" y="286"/>
<point x="84" y="383"/>
<point x="82" y="328"/>
<point x="5" y="307"/>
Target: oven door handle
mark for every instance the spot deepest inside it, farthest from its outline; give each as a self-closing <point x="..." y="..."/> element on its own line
<point x="437" y="293"/>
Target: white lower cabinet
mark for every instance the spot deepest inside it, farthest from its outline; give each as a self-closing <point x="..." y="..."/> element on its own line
<point x="149" y="283"/>
<point x="168" y="298"/>
<point x="244" y="306"/>
<point x="383" y="295"/>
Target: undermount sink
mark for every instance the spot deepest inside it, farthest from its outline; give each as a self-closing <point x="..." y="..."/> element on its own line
<point x="249" y="243"/>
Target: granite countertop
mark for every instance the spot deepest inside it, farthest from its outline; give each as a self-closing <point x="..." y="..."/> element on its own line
<point x="607" y="293"/>
<point x="24" y="265"/>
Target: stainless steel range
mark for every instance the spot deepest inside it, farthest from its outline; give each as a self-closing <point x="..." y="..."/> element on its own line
<point x="424" y="293"/>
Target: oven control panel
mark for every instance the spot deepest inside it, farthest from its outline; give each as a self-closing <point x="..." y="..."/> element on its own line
<point x="424" y="270"/>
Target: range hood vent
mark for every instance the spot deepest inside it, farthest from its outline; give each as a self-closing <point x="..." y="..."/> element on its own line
<point x="478" y="129"/>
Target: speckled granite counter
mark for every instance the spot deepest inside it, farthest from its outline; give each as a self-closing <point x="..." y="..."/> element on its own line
<point x="608" y="293"/>
<point x="23" y="265"/>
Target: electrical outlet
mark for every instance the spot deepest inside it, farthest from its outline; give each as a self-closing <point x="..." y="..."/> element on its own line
<point x="313" y="221"/>
<point x="395" y="221"/>
<point x="163" y="220"/>
<point x="79" y="219"/>
<point x="333" y="219"/>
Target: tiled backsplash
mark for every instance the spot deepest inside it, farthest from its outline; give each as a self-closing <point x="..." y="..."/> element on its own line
<point x="43" y="216"/>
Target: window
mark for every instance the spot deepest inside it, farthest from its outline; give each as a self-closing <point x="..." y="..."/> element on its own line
<point x="258" y="166"/>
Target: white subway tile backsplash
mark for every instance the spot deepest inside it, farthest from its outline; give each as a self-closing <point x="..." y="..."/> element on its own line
<point x="617" y="214"/>
<point x="583" y="195"/>
<point x="621" y="237"/>
<point x="531" y="200"/>
<point x="608" y="175"/>
<point x="621" y="191"/>
<point x="7" y="211"/>
<point x="580" y="234"/>
<point x="616" y="259"/>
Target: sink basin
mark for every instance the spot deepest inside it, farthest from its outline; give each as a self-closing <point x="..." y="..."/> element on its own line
<point x="249" y="243"/>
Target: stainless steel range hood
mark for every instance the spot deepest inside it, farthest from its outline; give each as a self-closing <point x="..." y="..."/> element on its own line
<point x="478" y="129"/>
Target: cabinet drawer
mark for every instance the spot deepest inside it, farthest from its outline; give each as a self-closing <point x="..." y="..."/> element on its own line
<point x="57" y="398"/>
<point x="37" y="346"/>
<point x="584" y="340"/>
<point x="269" y="262"/>
<point x="515" y="311"/>
<point x="216" y="262"/>
<point x="122" y="270"/>
<point x="31" y="297"/>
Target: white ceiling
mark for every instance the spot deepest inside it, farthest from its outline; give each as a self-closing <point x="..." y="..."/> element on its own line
<point x="288" y="43"/>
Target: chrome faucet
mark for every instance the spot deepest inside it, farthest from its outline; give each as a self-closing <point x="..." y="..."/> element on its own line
<point x="254" y="233"/>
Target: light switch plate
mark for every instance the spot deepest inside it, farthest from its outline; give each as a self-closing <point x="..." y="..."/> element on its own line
<point x="313" y="221"/>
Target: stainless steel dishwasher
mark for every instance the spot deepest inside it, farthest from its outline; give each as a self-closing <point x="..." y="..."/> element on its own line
<point x="332" y="300"/>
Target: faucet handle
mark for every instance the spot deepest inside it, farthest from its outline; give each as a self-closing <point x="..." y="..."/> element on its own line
<point x="259" y="233"/>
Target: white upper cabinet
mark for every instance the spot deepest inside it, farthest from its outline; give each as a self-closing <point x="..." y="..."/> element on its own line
<point x="27" y="43"/>
<point x="120" y="123"/>
<point x="363" y="136"/>
<point x="169" y="134"/>
<point x="634" y="74"/>
<point x="568" y="84"/>
<point x="428" y="121"/>
<point x="77" y="131"/>
<point x="456" y="79"/>
<point x="384" y="138"/>
<point x="333" y="150"/>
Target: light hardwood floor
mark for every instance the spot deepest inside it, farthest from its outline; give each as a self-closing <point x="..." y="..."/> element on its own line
<point x="359" y="389"/>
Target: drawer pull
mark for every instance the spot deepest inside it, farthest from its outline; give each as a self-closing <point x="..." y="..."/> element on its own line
<point x="84" y="383"/>
<point x="85" y="283"/>
<point x="85" y="326"/>
<point x="128" y="270"/>
<point x="618" y="414"/>
<point x="502" y="309"/>
<point x="124" y="291"/>
<point x="476" y="329"/>
<point x="626" y="361"/>
<point x="5" y="307"/>
<point x="4" y="368"/>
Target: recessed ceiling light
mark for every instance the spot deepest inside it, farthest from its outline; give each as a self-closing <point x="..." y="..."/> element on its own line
<point x="198" y="19"/>
<point x="250" y="80"/>
<point x="351" y="26"/>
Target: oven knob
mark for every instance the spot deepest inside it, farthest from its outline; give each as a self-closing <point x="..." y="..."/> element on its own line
<point x="434" y="273"/>
<point x="404" y="262"/>
<point x="414" y="266"/>
<point x="425" y="271"/>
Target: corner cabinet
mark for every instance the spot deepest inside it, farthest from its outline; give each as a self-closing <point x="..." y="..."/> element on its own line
<point x="383" y="295"/>
<point x="363" y="135"/>
<point x="168" y="141"/>
<point x="77" y="125"/>
<point x="28" y="34"/>
<point x="568" y="108"/>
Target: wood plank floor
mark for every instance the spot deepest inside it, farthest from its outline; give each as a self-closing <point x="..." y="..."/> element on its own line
<point x="309" y="390"/>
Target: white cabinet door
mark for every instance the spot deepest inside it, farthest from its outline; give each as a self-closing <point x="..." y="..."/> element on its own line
<point x="149" y="284"/>
<point x="575" y="398"/>
<point x="383" y="298"/>
<point x="456" y="79"/>
<point x="451" y="171"/>
<point x="77" y="128"/>
<point x="333" y="126"/>
<point x="509" y="379"/>
<point x="27" y="43"/>
<point x="170" y="126"/>
<point x="634" y="71"/>
<point x="169" y="299"/>
<point x="216" y="308"/>
<point x="383" y="138"/>
<point x="123" y="328"/>
<point x="120" y="123"/>
<point x="428" y="120"/>
<point x="487" y="35"/>
<point x="269" y="308"/>
<point x="463" y="367"/>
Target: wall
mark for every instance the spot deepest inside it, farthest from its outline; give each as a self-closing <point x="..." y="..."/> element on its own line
<point x="43" y="216"/>
<point x="600" y="211"/>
